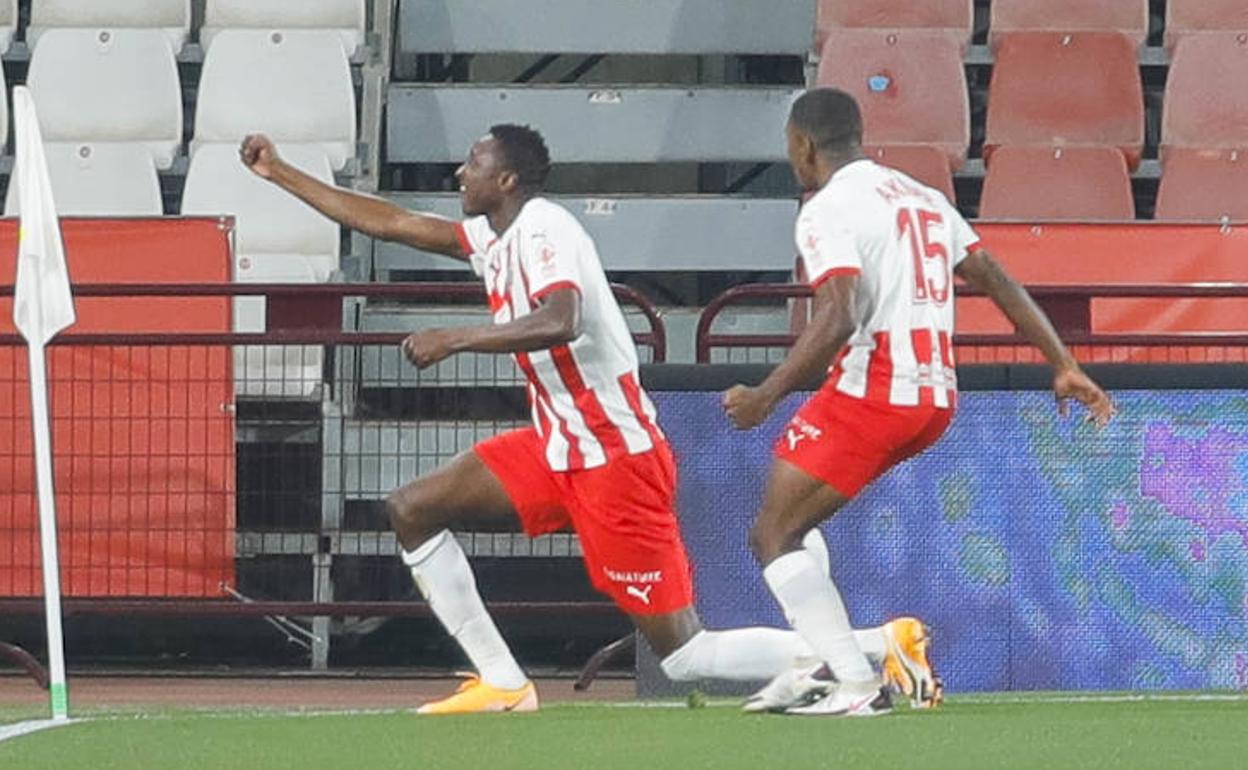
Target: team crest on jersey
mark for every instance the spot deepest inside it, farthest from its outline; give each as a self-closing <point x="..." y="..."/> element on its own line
<point x="546" y="261"/>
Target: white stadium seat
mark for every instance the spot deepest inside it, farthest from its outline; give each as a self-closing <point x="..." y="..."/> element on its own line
<point x="346" y="17"/>
<point x="278" y="239"/>
<point x="294" y="86"/>
<point x="103" y="85"/>
<point x="8" y="23"/>
<point x="98" y="180"/>
<point x="173" y="17"/>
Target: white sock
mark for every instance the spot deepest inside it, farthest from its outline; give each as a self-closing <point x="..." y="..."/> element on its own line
<point x="739" y="655"/>
<point x="872" y="643"/>
<point x="870" y="640"/>
<point x="818" y="548"/>
<point x="814" y="607"/>
<point x="443" y="576"/>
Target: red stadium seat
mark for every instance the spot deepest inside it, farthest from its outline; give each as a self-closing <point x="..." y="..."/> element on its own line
<point x="928" y="165"/>
<point x="951" y="16"/>
<point x="1056" y="89"/>
<point x="1129" y="17"/>
<point x="911" y="85"/>
<point x="1057" y="184"/>
<point x="1184" y="17"/>
<point x="1203" y="185"/>
<point x="1207" y="94"/>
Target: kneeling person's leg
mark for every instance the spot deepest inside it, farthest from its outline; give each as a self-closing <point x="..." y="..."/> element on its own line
<point x="466" y="492"/>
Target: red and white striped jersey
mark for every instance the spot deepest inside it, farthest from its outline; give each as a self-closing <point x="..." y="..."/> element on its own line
<point x="586" y="396"/>
<point x="903" y="239"/>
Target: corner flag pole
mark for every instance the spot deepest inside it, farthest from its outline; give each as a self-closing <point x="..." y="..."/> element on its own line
<point x="43" y="305"/>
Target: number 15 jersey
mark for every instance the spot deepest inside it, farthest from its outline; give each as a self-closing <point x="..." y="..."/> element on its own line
<point x="903" y="240"/>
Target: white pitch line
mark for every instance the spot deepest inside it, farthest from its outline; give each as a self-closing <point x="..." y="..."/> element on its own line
<point x="1227" y="697"/>
<point x="8" y="732"/>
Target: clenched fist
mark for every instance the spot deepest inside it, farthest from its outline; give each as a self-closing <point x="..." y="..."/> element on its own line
<point x="258" y="154"/>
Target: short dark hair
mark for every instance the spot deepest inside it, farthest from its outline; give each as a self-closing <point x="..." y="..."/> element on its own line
<point x="524" y="153"/>
<point x="830" y="117"/>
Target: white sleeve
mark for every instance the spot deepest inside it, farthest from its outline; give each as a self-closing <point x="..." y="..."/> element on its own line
<point x="551" y="261"/>
<point x="475" y="237"/>
<point x="828" y="248"/>
<point x="962" y="236"/>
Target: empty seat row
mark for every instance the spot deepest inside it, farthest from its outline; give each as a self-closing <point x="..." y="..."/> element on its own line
<point x="1093" y="183"/>
<point x="956" y="17"/>
<point x="1047" y="89"/>
<point x="103" y="86"/>
<point x="173" y="17"/>
<point x="1088" y="183"/>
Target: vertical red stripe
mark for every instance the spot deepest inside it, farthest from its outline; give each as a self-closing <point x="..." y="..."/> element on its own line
<point x="632" y="394"/>
<point x="880" y="370"/>
<point x="576" y="460"/>
<point x="946" y="360"/>
<point x="835" y="371"/>
<point x="921" y="341"/>
<point x="605" y="431"/>
<point x="539" y="409"/>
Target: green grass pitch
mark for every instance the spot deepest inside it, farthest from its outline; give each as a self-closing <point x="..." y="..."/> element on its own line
<point x="1044" y="731"/>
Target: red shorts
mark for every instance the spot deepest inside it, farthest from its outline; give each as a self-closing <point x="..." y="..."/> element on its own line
<point x="848" y="442"/>
<point x="623" y="512"/>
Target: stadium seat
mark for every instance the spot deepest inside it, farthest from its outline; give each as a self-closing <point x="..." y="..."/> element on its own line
<point x="1129" y="17"/>
<point x="93" y="85"/>
<point x="1206" y="103"/>
<point x="8" y="23"/>
<point x="1054" y="89"/>
<point x="98" y="180"/>
<point x="911" y="85"/>
<point x="346" y="17"/>
<point x="952" y="16"/>
<point x="1184" y="17"/>
<point x="278" y="239"/>
<point x="294" y="86"/>
<point x="1204" y="185"/>
<point x="173" y="17"/>
<point x="1057" y="184"/>
<point x="926" y="164"/>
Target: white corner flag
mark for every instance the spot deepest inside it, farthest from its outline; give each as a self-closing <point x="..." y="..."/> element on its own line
<point x="42" y="306"/>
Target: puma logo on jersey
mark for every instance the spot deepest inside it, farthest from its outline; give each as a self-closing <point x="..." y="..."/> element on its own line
<point x="643" y="594"/>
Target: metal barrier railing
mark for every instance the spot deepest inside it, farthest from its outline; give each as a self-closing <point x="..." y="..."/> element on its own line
<point x="197" y="466"/>
<point x="307" y="313"/>
<point x="1069" y="306"/>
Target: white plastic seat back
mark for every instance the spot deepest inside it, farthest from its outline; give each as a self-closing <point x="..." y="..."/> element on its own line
<point x="108" y="85"/>
<point x="345" y="17"/>
<point x="294" y="86"/>
<point x="278" y="239"/>
<point x="275" y="370"/>
<point x="98" y="180"/>
<point x="8" y="23"/>
<point x="172" y="17"/>
<point x="268" y="219"/>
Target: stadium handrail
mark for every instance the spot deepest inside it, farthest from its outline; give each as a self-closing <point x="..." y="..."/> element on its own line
<point x="1083" y="293"/>
<point x="310" y="332"/>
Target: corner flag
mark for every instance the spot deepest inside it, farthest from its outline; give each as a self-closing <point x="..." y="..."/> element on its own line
<point x="42" y="306"/>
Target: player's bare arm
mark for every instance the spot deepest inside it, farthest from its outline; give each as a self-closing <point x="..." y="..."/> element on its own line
<point x="825" y="336"/>
<point x="983" y="272"/>
<point x="556" y="322"/>
<point x="365" y="213"/>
